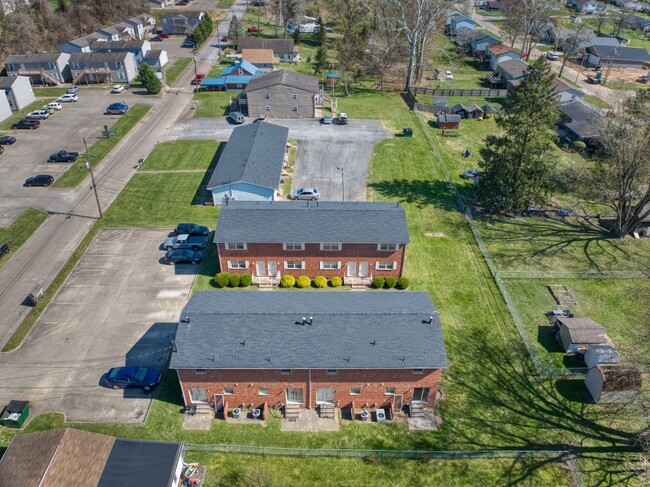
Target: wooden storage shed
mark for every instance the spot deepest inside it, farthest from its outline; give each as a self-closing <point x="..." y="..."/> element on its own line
<point x="611" y="384"/>
<point x="448" y="121"/>
<point x="573" y="333"/>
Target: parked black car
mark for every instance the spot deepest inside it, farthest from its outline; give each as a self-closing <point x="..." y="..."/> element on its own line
<point x="7" y="140"/>
<point x="64" y="156"/>
<point x="191" y="229"/>
<point x="40" y="180"/>
<point x="26" y="124"/>
<point x="181" y="256"/>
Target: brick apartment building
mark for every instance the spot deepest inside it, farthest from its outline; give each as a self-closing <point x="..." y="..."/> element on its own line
<point x="354" y="240"/>
<point x="309" y="348"/>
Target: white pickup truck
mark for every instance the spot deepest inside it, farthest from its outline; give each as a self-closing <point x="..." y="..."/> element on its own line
<point x="185" y="241"/>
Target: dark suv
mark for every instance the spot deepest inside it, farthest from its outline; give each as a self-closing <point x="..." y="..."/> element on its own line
<point x="40" y="180"/>
<point x="26" y="124"/>
<point x="191" y="229"/>
<point x="64" y="156"/>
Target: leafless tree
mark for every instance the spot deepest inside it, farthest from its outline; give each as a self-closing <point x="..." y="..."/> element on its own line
<point x="572" y="43"/>
<point x="601" y="17"/>
<point x="620" y="18"/>
<point x="524" y="17"/>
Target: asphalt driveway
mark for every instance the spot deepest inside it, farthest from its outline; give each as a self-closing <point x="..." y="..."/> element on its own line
<point x="119" y="306"/>
<point x="321" y="149"/>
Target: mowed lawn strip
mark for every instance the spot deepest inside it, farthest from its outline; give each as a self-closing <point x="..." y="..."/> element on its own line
<point x="213" y="104"/>
<point x="174" y="70"/>
<point x="20" y="230"/>
<point x="182" y="155"/>
<point x="100" y="149"/>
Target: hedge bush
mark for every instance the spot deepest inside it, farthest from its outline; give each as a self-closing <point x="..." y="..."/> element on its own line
<point x="222" y="279"/>
<point x="303" y="282"/>
<point x="402" y="283"/>
<point x="578" y="145"/>
<point x="234" y="280"/>
<point x="378" y="282"/>
<point x="246" y="280"/>
<point x="320" y="281"/>
<point x="336" y="281"/>
<point x="390" y="282"/>
<point x="287" y="281"/>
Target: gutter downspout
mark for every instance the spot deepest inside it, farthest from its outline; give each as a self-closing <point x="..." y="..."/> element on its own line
<point x="309" y="387"/>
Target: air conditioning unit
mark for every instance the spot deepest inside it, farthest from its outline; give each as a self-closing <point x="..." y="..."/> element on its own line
<point x="365" y="416"/>
<point x="381" y="415"/>
<point x="257" y="413"/>
<point x="236" y="413"/>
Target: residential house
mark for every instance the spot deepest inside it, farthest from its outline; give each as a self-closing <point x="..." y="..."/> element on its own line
<point x="566" y="93"/>
<point x="617" y="56"/>
<point x="46" y="69"/>
<point x="233" y="78"/>
<point x="310" y="350"/>
<point x="284" y="49"/>
<point x="5" y="108"/>
<point x="180" y="22"/>
<point x="457" y="21"/>
<point x="138" y="48"/>
<point x="250" y="166"/>
<point x="464" y="37"/>
<point x="353" y="240"/>
<point x="63" y="457"/>
<point x="499" y="53"/>
<point x="580" y="121"/>
<point x="160" y="3"/>
<point x="284" y="94"/>
<point x="262" y="59"/>
<point x="573" y="45"/>
<point x="493" y="6"/>
<point x="544" y="31"/>
<point x="474" y="112"/>
<point x="448" y="121"/>
<point x="242" y="68"/>
<point x="156" y="58"/>
<point x="18" y="90"/>
<point x="508" y="73"/>
<point x="110" y="33"/>
<point x="478" y="46"/>
<point x="103" y="67"/>
<point x="587" y="6"/>
<point x="80" y="44"/>
<point x="612" y="384"/>
<point x="574" y="333"/>
<point x="636" y="22"/>
<point x="144" y="25"/>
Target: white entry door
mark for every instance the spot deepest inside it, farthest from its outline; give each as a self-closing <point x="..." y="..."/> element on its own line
<point x="260" y="268"/>
<point x="363" y="269"/>
<point x="352" y="269"/>
<point x="273" y="268"/>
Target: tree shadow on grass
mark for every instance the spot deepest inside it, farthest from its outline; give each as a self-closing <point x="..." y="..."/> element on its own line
<point x="201" y="196"/>
<point x="420" y="192"/>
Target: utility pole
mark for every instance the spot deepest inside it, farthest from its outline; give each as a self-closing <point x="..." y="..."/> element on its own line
<point x="92" y="178"/>
<point x="259" y="6"/>
<point x="195" y="73"/>
<point x="342" y="169"/>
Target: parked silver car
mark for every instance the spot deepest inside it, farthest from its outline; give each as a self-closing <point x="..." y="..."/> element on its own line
<point x="305" y="194"/>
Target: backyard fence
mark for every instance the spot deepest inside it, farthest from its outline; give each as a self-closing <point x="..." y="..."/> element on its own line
<point x="479" y="92"/>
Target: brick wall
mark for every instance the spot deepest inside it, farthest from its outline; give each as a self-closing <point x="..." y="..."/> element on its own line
<point x="312" y="256"/>
<point x="372" y="383"/>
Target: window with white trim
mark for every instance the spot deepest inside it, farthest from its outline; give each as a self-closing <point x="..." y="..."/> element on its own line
<point x="330" y="246"/>
<point x="389" y="391"/>
<point x="294" y="96"/>
<point x="120" y="75"/>
<point x="294" y="264"/>
<point x="199" y="371"/>
<point x="387" y="247"/>
<point x="235" y="246"/>
<point x="418" y="371"/>
<point x="294" y="109"/>
<point x="264" y="391"/>
<point x="268" y="108"/>
<point x="228" y="391"/>
<point x="293" y="246"/>
<point x="267" y="96"/>
<point x="285" y="371"/>
<point x="237" y="264"/>
<point x="332" y="371"/>
<point x="386" y="266"/>
<point x="330" y="265"/>
<point x="355" y="391"/>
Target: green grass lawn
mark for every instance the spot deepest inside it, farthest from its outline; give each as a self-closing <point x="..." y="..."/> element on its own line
<point x="617" y="304"/>
<point x="76" y="172"/>
<point x="183" y="155"/>
<point x="226" y="3"/>
<point x="213" y="104"/>
<point x="20" y="230"/>
<point x="49" y="92"/>
<point x="597" y="102"/>
<point x="174" y="70"/>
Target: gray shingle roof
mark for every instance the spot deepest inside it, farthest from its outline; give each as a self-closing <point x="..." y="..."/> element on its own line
<point x="8" y="81"/>
<point x="515" y="68"/>
<point x="97" y="57"/>
<point x="253" y="154"/>
<point x="584" y="120"/>
<point x="278" y="45"/>
<point x="115" y="45"/>
<point x="311" y="222"/>
<point x="284" y="77"/>
<point x="448" y="117"/>
<point x="32" y="58"/>
<point x="620" y="53"/>
<point x="255" y="330"/>
<point x="153" y="54"/>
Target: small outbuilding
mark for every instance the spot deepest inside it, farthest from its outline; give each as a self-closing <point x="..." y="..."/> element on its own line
<point x="448" y="121"/>
<point x="573" y="333"/>
<point x="611" y="384"/>
<point x="600" y="355"/>
<point x="459" y="109"/>
<point x="474" y="111"/>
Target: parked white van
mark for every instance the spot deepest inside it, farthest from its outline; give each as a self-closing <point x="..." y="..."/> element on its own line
<point x="237" y="117"/>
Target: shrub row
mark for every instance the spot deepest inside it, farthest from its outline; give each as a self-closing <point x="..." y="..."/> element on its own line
<point x="390" y="282"/>
<point x="303" y="282"/>
<point x="223" y="279"/>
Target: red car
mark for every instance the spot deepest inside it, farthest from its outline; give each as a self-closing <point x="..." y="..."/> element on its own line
<point x="224" y="39"/>
<point x="165" y="36"/>
<point x="197" y="79"/>
<point x="253" y="28"/>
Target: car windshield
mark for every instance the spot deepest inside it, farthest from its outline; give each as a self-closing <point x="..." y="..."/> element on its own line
<point x="141" y="374"/>
<point x="114" y="373"/>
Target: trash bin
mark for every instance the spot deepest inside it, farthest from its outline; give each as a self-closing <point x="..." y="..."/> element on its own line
<point x="15" y="414"/>
<point x="407" y="132"/>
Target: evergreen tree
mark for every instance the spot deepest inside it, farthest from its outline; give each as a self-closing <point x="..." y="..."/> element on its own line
<point x="235" y="29"/>
<point x="320" y="59"/>
<point x="149" y="79"/>
<point x="517" y="166"/>
<point x="321" y="35"/>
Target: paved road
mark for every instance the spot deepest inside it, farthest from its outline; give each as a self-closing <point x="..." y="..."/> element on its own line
<point x="119" y="307"/>
<point x="321" y="149"/>
<point x="50" y="247"/>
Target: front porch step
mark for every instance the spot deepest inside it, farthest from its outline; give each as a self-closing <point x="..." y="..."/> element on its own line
<point x="292" y="411"/>
<point x="203" y="409"/>
<point x="416" y="410"/>
<point x="327" y="411"/>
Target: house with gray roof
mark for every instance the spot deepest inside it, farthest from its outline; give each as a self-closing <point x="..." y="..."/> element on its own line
<point x="580" y="121"/>
<point x="352" y="240"/>
<point x="250" y="166"/>
<point x="283" y="94"/>
<point x="617" y="57"/>
<point x="138" y="48"/>
<point x="285" y="49"/>
<point x="46" y="69"/>
<point x="103" y="67"/>
<point x="180" y="23"/>
<point x="312" y="350"/>
<point x="156" y="58"/>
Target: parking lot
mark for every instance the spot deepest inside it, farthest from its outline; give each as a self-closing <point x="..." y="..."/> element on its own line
<point x="64" y="129"/>
<point x="321" y="149"/>
<point x="119" y="306"/>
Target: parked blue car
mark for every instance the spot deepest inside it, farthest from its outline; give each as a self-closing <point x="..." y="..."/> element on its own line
<point x="117" y="109"/>
<point x="123" y="377"/>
